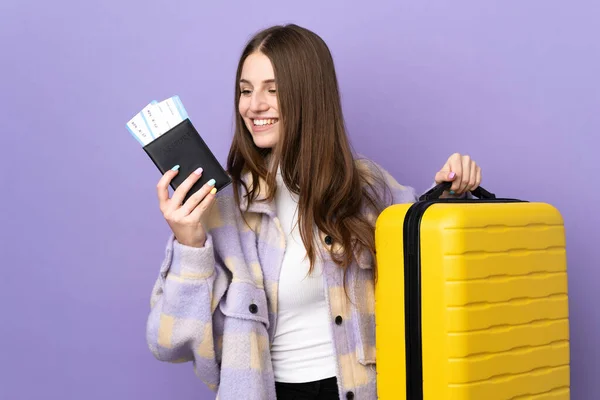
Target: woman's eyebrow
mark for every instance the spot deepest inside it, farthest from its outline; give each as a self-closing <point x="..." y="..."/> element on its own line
<point x="265" y="81"/>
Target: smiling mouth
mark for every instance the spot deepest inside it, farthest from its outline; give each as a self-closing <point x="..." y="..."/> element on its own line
<point x="264" y="121"/>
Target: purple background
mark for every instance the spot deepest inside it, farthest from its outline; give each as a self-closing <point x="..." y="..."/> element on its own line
<point x="515" y="84"/>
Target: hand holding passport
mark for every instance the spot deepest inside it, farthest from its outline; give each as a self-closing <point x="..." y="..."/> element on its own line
<point x="169" y="138"/>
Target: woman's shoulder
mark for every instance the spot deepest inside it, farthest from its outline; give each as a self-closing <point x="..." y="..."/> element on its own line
<point x="374" y="174"/>
<point x="383" y="183"/>
<point x="368" y="168"/>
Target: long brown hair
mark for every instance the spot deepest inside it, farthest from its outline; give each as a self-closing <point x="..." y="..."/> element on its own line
<point x="313" y="150"/>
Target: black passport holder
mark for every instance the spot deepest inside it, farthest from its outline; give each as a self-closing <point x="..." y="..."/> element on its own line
<point x="183" y="145"/>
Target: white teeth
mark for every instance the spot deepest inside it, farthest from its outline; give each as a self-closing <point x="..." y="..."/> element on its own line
<point x="260" y="122"/>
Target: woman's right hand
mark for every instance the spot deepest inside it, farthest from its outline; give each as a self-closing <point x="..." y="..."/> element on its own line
<point x="185" y="219"/>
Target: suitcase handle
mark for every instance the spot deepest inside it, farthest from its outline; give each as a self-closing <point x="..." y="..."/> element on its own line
<point x="435" y="192"/>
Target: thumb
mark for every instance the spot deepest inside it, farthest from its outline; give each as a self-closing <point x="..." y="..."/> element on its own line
<point x="444" y="176"/>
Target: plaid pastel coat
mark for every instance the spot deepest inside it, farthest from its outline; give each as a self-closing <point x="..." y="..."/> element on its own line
<point x="217" y="306"/>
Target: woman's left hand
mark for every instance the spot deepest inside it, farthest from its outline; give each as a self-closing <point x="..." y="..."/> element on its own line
<point x="462" y="171"/>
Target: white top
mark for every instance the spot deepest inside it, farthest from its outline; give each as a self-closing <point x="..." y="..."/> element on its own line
<point x="302" y="349"/>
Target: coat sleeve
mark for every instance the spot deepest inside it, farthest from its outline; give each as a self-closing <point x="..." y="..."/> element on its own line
<point x="185" y="322"/>
<point x="392" y="192"/>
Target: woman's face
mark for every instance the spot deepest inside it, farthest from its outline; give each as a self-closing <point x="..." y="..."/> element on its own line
<point x="258" y="100"/>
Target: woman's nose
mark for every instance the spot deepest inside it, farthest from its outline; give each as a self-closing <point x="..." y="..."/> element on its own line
<point x="258" y="103"/>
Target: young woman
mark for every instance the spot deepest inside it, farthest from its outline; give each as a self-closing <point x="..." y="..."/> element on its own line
<point x="268" y="286"/>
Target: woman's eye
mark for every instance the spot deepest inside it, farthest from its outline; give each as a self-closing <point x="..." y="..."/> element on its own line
<point x="272" y="91"/>
<point x="245" y="92"/>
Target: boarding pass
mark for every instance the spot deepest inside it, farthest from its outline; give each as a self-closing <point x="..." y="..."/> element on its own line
<point x="156" y="118"/>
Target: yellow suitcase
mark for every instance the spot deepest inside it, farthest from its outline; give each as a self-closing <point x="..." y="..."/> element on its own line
<point x="471" y="300"/>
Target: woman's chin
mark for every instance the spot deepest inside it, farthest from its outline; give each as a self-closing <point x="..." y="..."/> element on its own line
<point x="265" y="141"/>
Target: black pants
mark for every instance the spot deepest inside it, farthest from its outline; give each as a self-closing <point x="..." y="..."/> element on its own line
<point x="325" y="389"/>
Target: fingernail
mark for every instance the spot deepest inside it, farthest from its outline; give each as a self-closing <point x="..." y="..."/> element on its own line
<point x="211" y="182"/>
<point x="198" y="171"/>
<point x="452" y="192"/>
<point x="213" y="191"/>
<point x="175" y="168"/>
<point x="451" y="175"/>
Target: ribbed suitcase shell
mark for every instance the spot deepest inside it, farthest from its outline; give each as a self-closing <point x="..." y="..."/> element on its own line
<point x="486" y="313"/>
